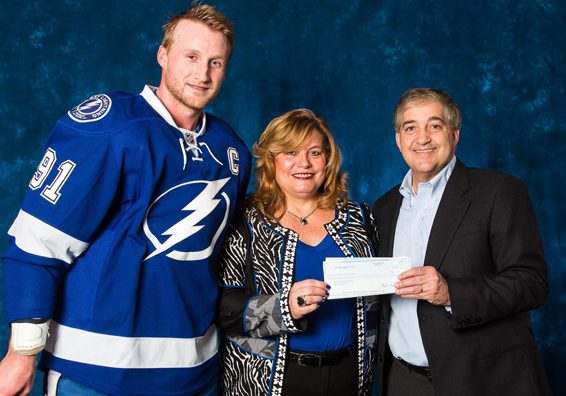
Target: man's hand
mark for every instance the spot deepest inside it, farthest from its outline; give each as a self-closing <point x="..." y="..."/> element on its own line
<point x="424" y="283"/>
<point x="16" y="374"/>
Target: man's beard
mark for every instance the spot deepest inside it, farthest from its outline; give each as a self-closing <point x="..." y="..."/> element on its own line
<point x="190" y="101"/>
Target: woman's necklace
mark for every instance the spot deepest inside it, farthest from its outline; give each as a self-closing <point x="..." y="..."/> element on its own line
<point x="303" y="219"/>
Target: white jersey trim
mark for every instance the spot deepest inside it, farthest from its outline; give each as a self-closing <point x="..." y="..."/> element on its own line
<point x="52" y="382"/>
<point x="130" y="352"/>
<point x="36" y="237"/>
<point x="149" y="93"/>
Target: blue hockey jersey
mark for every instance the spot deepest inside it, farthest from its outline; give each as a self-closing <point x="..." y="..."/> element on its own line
<point x="117" y="240"/>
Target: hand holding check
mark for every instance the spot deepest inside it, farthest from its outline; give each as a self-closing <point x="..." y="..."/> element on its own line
<point x="367" y="276"/>
<point x="306" y="296"/>
<point x="424" y="283"/>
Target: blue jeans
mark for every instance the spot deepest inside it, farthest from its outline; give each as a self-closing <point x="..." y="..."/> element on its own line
<point x="68" y="387"/>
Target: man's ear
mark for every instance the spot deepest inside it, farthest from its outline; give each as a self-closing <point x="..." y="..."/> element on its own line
<point x="397" y="137"/>
<point x="162" y="56"/>
<point x="456" y="137"/>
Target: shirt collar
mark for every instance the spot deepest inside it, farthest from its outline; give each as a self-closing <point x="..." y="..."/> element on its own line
<point x="149" y="93"/>
<point x="437" y="183"/>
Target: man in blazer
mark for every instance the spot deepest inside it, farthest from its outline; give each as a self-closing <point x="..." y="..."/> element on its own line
<point x="458" y="323"/>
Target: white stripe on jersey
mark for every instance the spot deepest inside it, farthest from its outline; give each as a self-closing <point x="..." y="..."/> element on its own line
<point x="130" y="352"/>
<point x="36" y="237"/>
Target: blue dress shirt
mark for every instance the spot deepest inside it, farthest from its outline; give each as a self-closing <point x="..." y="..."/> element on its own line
<point x="411" y="239"/>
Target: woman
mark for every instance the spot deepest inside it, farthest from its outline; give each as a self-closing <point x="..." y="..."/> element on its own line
<point x="282" y="336"/>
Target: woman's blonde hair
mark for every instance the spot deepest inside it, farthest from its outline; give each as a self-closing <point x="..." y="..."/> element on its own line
<point x="287" y="133"/>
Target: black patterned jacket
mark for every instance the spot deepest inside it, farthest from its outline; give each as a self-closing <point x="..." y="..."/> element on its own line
<point x="256" y="273"/>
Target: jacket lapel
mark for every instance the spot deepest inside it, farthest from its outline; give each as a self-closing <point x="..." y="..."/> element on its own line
<point x="451" y="210"/>
<point x="390" y="213"/>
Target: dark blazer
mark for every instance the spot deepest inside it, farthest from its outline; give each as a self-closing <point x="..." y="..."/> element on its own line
<point x="485" y="241"/>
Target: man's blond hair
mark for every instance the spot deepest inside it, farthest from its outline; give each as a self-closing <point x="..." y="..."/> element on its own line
<point x="200" y="13"/>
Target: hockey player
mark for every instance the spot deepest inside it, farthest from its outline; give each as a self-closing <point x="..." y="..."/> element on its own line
<point x="113" y="251"/>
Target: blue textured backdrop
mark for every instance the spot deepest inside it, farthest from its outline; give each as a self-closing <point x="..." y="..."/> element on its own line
<point x="503" y="61"/>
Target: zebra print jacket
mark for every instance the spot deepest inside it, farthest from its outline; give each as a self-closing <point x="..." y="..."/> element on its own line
<point x="256" y="273"/>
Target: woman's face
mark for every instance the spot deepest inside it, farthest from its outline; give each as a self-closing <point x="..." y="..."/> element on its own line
<point x="300" y="173"/>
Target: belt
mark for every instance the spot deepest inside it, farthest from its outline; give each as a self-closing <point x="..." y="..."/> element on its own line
<point x="424" y="371"/>
<point x="318" y="359"/>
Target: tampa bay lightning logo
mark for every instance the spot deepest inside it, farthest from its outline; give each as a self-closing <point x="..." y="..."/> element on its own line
<point x="92" y="109"/>
<point x="190" y="222"/>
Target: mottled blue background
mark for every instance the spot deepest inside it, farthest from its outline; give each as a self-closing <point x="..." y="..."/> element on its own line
<point x="503" y="61"/>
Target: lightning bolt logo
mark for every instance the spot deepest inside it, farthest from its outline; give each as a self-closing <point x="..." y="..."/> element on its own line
<point x="92" y="109"/>
<point x="199" y="208"/>
<point x="89" y="105"/>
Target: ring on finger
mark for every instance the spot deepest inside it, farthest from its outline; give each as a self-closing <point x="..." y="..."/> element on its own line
<point x="302" y="301"/>
<point x="422" y="289"/>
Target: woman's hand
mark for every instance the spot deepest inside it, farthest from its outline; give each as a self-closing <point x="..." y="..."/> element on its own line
<point x="306" y="296"/>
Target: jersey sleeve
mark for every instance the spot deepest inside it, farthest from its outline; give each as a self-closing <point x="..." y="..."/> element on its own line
<point x="69" y="197"/>
<point x="246" y="174"/>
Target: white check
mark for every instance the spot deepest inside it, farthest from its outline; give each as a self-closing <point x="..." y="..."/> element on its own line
<point x="362" y="276"/>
